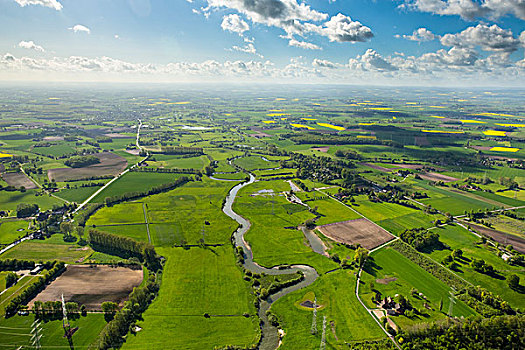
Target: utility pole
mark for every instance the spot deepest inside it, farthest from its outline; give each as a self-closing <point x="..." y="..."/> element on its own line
<point x="313" y="330"/>
<point x="323" y="337"/>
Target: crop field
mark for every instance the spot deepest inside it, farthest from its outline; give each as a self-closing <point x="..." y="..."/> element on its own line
<point x="358" y="231"/>
<point x="110" y="164"/>
<point x="77" y="195"/>
<point x="92" y="285"/>
<point x="18" y="180"/>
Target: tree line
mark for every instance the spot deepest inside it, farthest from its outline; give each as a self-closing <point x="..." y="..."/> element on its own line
<point x="124" y="247"/>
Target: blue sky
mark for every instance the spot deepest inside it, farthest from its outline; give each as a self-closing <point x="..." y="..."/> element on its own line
<point x="344" y="41"/>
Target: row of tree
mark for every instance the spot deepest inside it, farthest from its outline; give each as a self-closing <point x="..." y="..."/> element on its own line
<point x="33" y="289"/>
<point x="124" y="247"/>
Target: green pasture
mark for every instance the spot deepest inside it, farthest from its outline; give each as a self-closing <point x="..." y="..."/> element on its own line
<point x="9" y="230"/>
<point x="195" y="282"/>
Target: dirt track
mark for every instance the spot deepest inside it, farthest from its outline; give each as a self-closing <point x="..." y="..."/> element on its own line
<point x="110" y="164"/>
<point x="91" y="286"/>
<point x="361" y="231"/>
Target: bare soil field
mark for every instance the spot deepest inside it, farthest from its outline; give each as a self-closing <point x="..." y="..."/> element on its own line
<point x="91" y="286"/>
<point x="115" y="135"/>
<point x="437" y="177"/>
<point x="504" y="238"/>
<point x="18" y="180"/>
<point x="361" y="231"/>
<point x="53" y="138"/>
<point x="110" y="164"/>
<point x="377" y="167"/>
<point x="482" y="148"/>
<point x="134" y="152"/>
<point x="320" y="149"/>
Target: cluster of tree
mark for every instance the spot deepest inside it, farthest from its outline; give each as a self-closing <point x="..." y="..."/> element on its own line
<point x="24" y="210"/>
<point x="181" y="150"/>
<point x="503" y="332"/>
<point x="428" y="265"/>
<point x="166" y="170"/>
<point x="482" y="267"/>
<point x="421" y="238"/>
<point x="124" y="247"/>
<point x="508" y="182"/>
<point x="81" y="161"/>
<point x="11" y="278"/>
<point x="112" y="336"/>
<point x="33" y="289"/>
<point x="484" y="302"/>
<point x="279" y="285"/>
<point x="109" y="201"/>
<point x="347" y="154"/>
<point x="104" y="139"/>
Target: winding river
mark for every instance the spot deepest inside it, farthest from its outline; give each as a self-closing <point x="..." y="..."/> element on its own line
<point x="269" y="335"/>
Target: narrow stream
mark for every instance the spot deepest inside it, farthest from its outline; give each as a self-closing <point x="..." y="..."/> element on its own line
<point x="269" y="334"/>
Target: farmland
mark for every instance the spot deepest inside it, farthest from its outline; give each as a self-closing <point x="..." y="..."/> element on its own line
<point x="324" y="188"/>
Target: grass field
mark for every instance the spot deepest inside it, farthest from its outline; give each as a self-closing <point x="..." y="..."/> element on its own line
<point x="255" y="162"/>
<point x="195" y="282"/>
<point x="9" y="230"/>
<point x="388" y="263"/>
<point x="78" y="195"/>
<point x="9" y="200"/>
<point x="135" y="182"/>
<point x="457" y="237"/>
<point x="331" y="210"/>
<point x="335" y="292"/>
<point x="173" y="161"/>
<point x="15" y="332"/>
<point x="14" y="291"/>
<point x="49" y="249"/>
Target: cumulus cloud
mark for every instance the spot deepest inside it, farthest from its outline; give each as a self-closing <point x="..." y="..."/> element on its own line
<point x="456" y="56"/>
<point x="469" y="9"/>
<point x="303" y="44"/>
<point x="489" y="38"/>
<point x="371" y="60"/>
<point x="296" y="18"/>
<point x="30" y="45"/>
<point x="323" y="64"/>
<point x="234" y="24"/>
<point x="54" y="4"/>
<point x="79" y="28"/>
<point x="420" y="34"/>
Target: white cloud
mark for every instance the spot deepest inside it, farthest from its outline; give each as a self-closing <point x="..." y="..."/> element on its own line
<point x="489" y="38"/>
<point x="80" y="28"/>
<point x="469" y="9"/>
<point x="296" y="18"/>
<point x="342" y="28"/>
<point x="248" y="48"/>
<point x="456" y="56"/>
<point x="234" y="24"/>
<point x="30" y="45"/>
<point x="54" y="4"/>
<point x="323" y="64"/>
<point x="303" y="45"/>
<point x="420" y="34"/>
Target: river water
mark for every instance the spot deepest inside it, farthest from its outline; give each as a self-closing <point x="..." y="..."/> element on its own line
<point x="269" y="335"/>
